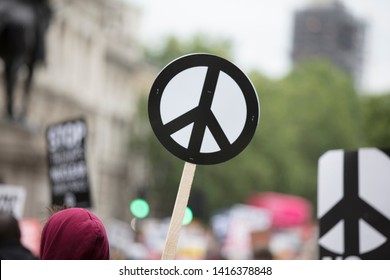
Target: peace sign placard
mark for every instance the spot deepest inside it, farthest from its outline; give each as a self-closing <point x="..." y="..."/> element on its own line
<point x="203" y="109"/>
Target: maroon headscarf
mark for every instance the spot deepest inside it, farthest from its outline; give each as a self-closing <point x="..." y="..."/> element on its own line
<point x="74" y="234"/>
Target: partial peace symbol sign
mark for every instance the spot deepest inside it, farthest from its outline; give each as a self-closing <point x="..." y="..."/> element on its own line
<point x="203" y="109"/>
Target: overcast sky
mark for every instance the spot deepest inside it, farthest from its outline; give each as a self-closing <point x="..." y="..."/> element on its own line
<point x="261" y="31"/>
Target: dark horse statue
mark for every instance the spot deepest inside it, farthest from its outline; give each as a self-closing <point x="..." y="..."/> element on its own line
<point x="23" y="25"/>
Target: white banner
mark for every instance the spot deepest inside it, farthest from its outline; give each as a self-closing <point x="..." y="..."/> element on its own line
<point x="12" y="199"/>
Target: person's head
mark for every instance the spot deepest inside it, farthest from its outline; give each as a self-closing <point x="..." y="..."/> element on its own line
<point x="74" y="234"/>
<point x="9" y="227"/>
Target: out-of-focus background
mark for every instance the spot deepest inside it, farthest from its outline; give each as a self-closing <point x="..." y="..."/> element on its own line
<point x="321" y="70"/>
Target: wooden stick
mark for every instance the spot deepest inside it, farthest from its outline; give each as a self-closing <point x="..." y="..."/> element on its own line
<point x="178" y="211"/>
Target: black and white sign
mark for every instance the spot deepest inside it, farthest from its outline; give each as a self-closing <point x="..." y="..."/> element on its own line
<point x="12" y="199"/>
<point x="68" y="172"/>
<point x="353" y="204"/>
<point x="203" y="109"/>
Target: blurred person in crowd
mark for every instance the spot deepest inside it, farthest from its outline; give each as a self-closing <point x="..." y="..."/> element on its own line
<point x="262" y="254"/>
<point x="10" y="246"/>
<point x="74" y="234"/>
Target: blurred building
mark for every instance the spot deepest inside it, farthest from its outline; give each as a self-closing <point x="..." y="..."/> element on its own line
<point x="325" y="29"/>
<point x="93" y="70"/>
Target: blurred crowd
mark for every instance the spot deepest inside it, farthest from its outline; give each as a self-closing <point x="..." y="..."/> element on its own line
<point x="226" y="237"/>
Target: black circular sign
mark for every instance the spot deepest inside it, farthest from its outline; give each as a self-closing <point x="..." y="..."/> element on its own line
<point x="203" y="109"/>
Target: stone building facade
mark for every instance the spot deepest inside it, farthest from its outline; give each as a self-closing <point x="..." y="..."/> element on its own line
<point x="93" y="70"/>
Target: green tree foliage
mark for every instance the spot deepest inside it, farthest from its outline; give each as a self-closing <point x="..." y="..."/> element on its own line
<point x="376" y="112"/>
<point x="313" y="109"/>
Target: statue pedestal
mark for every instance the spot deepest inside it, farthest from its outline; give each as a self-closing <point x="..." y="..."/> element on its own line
<point x="20" y="144"/>
<point x="23" y="163"/>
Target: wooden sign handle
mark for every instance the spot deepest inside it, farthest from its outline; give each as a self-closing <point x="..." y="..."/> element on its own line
<point x="178" y="211"/>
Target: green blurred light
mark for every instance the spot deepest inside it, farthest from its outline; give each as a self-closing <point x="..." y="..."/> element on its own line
<point x="139" y="208"/>
<point x="188" y="216"/>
